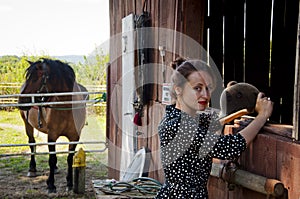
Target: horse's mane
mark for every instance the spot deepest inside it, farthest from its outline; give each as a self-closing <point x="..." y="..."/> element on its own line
<point x="60" y="73"/>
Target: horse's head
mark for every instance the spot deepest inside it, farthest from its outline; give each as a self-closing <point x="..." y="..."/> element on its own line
<point x="47" y="76"/>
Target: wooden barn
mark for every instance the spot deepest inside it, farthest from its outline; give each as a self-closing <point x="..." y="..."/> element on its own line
<point x="253" y="41"/>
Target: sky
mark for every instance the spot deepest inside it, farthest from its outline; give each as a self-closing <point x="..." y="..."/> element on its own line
<point x="53" y="27"/>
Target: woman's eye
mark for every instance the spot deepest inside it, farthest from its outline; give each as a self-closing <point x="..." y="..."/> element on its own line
<point x="210" y="88"/>
<point x="198" y="88"/>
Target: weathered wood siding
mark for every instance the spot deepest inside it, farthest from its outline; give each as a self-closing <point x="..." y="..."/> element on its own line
<point x="239" y="43"/>
<point x="274" y="155"/>
<point x="169" y="14"/>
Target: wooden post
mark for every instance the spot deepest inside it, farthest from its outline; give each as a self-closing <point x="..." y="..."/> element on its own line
<point x="297" y="87"/>
<point x="248" y="180"/>
<point x="79" y="172"/>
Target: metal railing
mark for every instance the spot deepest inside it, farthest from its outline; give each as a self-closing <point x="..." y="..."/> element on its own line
<point x="12" y="99"/>
<point x="52" y="152"/>
<point x="5" y="103"/>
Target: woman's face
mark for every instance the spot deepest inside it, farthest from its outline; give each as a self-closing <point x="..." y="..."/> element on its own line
<point x="195" y="94"/>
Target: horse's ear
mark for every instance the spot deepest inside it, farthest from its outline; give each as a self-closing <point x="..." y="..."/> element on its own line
<point x="30" y="62"/>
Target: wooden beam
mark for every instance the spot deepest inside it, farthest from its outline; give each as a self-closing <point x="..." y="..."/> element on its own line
<point x="296" y="116"/>
<point x="248" y="180"/>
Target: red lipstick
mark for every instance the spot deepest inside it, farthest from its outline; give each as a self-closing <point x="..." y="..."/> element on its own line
<point x="202" y="102"/>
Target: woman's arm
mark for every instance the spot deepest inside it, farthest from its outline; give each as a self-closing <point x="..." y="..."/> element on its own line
<point x="264" y="108"/>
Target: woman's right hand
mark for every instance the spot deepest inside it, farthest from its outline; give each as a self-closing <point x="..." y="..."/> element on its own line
<point x="264" y="106"/>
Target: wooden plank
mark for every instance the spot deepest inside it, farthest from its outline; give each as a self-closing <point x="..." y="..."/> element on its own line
<point x="156" y="112"/>
<point x="284" y="36"/>
<point x="115" y="135"/>
<point x="155" y="58"/>
<point x="276" y="129"/>
<point x="234" y="41"/>
<point x="192" y="30"/>
<point x="167" y="20"/>
<point x="115" y="51"/>
<point x="214" y="23"/>
<point x="260" y="156"/>
<point x="194" y="10"/>
<point x="288" y="166"/>
<point x="296" y="114"/>
<point x="257" y="46"/>
<point x="118" y="9"/>
<point x="279" y="129"/>
<point x="217" y="188"/>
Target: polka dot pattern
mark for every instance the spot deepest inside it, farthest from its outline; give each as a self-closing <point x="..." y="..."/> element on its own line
<point x="188" y="145"/>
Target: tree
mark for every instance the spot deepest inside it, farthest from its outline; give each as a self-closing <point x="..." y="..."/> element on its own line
<point x="93" y="70"/>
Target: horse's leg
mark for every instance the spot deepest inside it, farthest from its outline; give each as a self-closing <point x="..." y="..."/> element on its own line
<point x="29" y="132"/>
<point x="52" y="164"/>
<point x="72" y="148"/>
<point x="32" y="164"/>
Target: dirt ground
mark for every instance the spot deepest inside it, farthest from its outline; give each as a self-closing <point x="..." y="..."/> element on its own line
<point x="18" y="185"/>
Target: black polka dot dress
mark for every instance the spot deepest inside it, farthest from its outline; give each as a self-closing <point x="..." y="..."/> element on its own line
<point x="188" y="145"/>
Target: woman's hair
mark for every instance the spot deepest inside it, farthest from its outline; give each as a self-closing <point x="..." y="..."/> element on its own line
<point x="177" y="62"/>
<point x="184" y="69"/>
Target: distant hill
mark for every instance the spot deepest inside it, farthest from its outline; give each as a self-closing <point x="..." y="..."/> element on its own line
<point x="71" y="58"/>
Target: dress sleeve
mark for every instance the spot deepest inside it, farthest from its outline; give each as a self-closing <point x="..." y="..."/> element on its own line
<point x="229" y="147"/>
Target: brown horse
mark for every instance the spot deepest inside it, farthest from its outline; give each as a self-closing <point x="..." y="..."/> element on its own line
<point x="53" y="76"/>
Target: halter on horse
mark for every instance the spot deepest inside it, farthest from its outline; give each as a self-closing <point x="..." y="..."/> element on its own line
<point x="53" y="76"/>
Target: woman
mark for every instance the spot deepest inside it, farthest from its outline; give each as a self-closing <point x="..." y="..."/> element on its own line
<point x="190" y="139"/>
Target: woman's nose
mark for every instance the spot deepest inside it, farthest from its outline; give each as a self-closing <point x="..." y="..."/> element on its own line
<point x="205" y="93"/>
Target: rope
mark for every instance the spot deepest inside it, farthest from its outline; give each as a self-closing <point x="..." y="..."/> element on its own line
<point x="137" y="186"/>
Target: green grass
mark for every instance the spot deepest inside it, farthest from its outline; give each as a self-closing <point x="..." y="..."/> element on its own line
<point x="21" y="163"/>
<point x="12" y="132"/>
<point x="11" y="117"/>
<point x="12" y="136"/>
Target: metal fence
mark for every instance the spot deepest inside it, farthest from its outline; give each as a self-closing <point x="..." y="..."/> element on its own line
<point x="53" y="152"/>
<point x="11" y="101"/>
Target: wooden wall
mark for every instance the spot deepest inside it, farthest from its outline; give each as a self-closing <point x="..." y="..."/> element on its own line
<point x="274" y="155"/>
<point x="168" y="14"/>
<point x="239" y="44"/>
<point x="249" y="55"/>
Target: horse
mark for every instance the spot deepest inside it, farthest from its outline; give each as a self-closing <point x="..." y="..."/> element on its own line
<point x="53" y="76"/>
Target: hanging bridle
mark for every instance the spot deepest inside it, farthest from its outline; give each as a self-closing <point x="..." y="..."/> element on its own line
<point x="43" y="89"/>
<point x="45" y="76"/>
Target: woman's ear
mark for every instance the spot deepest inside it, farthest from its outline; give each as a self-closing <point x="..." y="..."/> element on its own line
<point x="178" y="90"/>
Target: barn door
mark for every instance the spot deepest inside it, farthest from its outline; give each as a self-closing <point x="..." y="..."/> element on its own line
<point x="128" y="90"/>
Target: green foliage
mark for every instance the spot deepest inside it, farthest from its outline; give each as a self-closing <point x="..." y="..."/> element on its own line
<point x="10" y="69"/>
<point x="90" y="73"/>
<point x="93" y="70"/>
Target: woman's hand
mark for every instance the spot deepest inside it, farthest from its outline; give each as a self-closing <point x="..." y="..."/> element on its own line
<point x="264" y="106"/>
